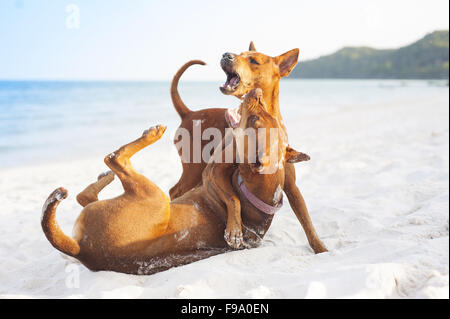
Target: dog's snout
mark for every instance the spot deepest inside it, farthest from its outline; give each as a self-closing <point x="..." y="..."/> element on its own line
<point x="228" y="56"/>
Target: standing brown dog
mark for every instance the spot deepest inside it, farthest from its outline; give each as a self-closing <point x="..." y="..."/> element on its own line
<point x="246" y="71"/>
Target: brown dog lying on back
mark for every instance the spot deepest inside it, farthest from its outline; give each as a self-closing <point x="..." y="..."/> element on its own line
<point x="245" y="72"/>
<point x="141" y="232"/>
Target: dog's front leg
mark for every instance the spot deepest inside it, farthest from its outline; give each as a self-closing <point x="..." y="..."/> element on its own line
<point x="299" y="207"/>
<point x="219" y="176"/>
<point x="233" y="232"/>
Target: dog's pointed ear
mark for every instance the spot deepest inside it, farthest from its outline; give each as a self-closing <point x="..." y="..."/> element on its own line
<point x="251" y="47"/>
<point x="293" y="156"/>
<point x="287" y="61"/>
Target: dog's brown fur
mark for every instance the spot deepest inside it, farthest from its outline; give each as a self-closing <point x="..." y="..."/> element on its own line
<point x="140" y="232"/>
<point x="255" y="70"/>
<point x="221" y="177"/>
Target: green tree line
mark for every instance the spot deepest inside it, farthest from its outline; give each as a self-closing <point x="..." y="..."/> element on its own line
<point x="427" y="58"/>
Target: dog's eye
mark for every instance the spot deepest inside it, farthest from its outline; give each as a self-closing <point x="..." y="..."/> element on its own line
<point x="253" y="61"/>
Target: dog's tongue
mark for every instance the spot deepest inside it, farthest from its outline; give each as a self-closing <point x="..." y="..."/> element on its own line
<point x="233" y="117"/>
<point x="233" y="81"/>
<point x="230" y="83"/>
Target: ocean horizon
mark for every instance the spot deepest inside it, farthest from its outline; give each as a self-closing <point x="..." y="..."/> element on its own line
<point x="45" y="120"/>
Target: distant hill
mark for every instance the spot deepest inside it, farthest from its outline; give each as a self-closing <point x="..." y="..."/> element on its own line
<point x="424" y="59"/>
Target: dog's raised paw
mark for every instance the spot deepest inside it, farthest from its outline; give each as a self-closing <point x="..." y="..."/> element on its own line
<point x="154" y="131"/>
<point x="109" y="175"/>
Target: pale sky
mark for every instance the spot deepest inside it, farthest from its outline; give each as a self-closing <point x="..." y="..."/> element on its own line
<point x="150" y="40"/>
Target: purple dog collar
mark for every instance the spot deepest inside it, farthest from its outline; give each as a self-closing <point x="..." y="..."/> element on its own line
<point x="255" y="201"/>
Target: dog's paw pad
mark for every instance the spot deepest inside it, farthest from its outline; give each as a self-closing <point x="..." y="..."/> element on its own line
<point x="111" y="155"/>
<point x="109" y="175"/>
<point x="154" y="131"/>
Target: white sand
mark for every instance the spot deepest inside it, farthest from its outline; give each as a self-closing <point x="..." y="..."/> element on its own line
<point x="376" y="187"/>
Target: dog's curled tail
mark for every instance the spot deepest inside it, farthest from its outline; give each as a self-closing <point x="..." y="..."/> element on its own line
<point x="51" y="229"/>
<point x="181" y="108"/>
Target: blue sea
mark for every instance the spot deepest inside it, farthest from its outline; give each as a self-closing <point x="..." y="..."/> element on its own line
<point x="45" y="121"/>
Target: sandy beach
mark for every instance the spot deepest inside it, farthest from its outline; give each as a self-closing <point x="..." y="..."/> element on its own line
<point x="377" y="187"/>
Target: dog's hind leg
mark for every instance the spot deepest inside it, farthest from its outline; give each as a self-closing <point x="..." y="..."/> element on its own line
<point x="148" y="200"/>
<point x="90" y="193"/>
<point x="119" y="162"/>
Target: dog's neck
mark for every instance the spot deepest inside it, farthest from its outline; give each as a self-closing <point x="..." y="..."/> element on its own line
<point x="271" y="97"/>
<point x="267" y="187"/>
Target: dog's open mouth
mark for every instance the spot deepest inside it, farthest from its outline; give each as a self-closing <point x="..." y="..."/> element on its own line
<point x="233" y="79"/>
